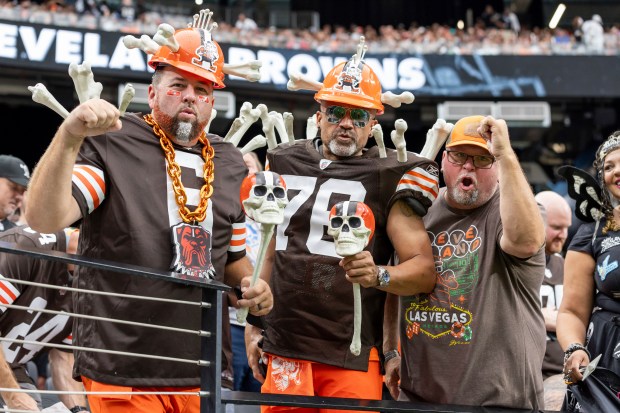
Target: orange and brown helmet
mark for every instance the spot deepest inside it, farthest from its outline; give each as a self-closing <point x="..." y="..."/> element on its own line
<point x="353" y="83"/>
<point x="197" y="52"/>
<point x="355" y="214"/>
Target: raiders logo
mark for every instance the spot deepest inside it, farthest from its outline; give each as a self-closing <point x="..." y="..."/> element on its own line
<point x="617" y="351"/>
<point x="192" y="252"/>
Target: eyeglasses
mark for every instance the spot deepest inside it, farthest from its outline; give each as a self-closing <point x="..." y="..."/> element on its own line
<point x="480" y="161"/>
<point x="335" y="114"/>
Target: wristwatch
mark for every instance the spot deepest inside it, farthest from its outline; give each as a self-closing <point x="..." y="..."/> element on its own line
<point x="383" y="277"/>
<point x="77" y="409"/>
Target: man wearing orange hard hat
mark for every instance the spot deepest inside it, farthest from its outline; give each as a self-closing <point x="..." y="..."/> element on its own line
<point x="122" y="177"/>
<point x="479" y="338"/>
<point x="306" y="340"/>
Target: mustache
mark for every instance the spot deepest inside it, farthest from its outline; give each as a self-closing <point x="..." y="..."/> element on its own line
<point x="346" y="132"/>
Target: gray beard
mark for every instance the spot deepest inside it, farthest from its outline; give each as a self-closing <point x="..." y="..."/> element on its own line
<point x="344" y="151"/>
<point x="184" y="131"/>
<point x="468" y="198"/>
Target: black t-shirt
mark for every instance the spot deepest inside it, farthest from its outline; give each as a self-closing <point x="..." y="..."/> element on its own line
<point x="605" y="250"/>
<point x="33" y="325"/>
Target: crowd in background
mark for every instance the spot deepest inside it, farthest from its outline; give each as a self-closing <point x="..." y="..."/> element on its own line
<point x="492" y="33"/>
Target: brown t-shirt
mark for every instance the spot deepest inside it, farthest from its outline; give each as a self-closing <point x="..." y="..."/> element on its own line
<point x="551" y="296"/>
<point x="121" y="185"/>
<point x="312" y="318"/>
<point x="479" y="338"/>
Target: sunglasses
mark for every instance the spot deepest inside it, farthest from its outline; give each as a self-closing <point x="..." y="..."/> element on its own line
<point x="335" y="114"/>
<point x="480" y="161"/>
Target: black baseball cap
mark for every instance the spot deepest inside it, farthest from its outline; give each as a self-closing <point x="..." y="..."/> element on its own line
<point x="14" y="169"/>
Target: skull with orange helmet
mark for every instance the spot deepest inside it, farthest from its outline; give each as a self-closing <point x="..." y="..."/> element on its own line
<point x="353" y="83"/>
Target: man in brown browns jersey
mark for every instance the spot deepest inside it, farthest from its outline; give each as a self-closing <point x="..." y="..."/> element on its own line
<point x="151" y="190"/>
<point x="35" y="325"/>
<point x="479" y="338"/>
<point x="307" y="336"/>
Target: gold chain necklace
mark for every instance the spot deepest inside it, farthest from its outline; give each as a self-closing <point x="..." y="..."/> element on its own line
<point x="174" y="171"/>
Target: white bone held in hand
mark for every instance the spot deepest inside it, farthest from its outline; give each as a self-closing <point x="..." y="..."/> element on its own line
<point x="249" y="70"/>
<point x="398" y="138"/>
<point x="396" y="101"/>
<point x="41" y="95"/>
<point x="165" y="37"/>
<point x="266" y="208"/>
<point x="312" y="127"/>
<point x="256" y="142"/>
<point x="144" y="43"/>
<point x="85" y="85"/>
<point x="377" y="133"/>
<point x="288" y="126"/>
<point x="435" y="138"/>
<point x="299" y="81"/>
<point x="348" y="241"/>
<point x="128" y="94"/>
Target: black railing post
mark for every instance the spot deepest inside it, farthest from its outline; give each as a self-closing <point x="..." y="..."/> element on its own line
<point x="211" y="350"/>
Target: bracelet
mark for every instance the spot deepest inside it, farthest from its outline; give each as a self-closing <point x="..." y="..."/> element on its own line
<point x="77" y="409"/>
<point x="389" y="355"/>
<point x="574" y="347"/>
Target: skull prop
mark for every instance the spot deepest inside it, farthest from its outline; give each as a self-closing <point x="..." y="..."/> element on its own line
<point x="352" y="225"/>
<point x="263" y="196"/>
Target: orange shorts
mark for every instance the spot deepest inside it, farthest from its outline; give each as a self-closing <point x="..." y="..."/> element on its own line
<point x="304" y="378"/>
<point x="128" y="403"/>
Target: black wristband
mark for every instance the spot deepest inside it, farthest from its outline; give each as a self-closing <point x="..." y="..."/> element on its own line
<point x="389" y="355"/>
<point x="574" y="347"/>
<point x="77" y="409"/>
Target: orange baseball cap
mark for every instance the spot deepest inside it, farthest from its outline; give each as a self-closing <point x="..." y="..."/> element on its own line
<point x="465" y="132"/>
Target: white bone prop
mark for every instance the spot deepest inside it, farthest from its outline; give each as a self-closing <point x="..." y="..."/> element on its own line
<point x="377" y="133"/>
<point x="234" y="127"/>
<point x="144" y="43"/>
<point x="247" y="116"/>
<point x="41" y="95"/>
<point x="279" y="125"/>
<point x="435" y="138"/>
<point x="288" y="126"/>
<point x="249" y="70"/>
<point x="84" y="82"/>
<point x="396" y="101"/>
<point x="265" y="207"/>
<point x="299" y="81"/>
<point x="256" y="142"/>
<point x="351" y="238"/>
<point x="213" y="116"/>
<point x="128" y="93"/>
<point x="311" y="127"/>
<point x="398" y="138"/>
<point x="165" y="37"/>
<point x="269" y="123"/>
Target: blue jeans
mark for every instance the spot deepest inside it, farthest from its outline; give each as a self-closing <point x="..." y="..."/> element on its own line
<point x="243" y="378"/>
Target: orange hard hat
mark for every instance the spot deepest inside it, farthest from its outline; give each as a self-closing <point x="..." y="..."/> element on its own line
<point x="353" y="83"/>
<point x="198" y="54"/>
